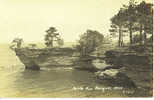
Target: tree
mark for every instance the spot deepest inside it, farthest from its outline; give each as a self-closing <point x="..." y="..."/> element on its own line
<point x="145" y="19"/>
<point x="118" y="22"/>
<point x="125" y="18"/>
<point x="50" y="36"/>
<point x="131" y="18"/>
<point x="134" y="17"/>
<point x="139" y="17"/>
<point x="89" y="41"/>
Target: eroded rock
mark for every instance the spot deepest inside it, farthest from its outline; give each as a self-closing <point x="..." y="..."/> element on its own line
<point x="32" y="66"/>
<point x="100" y="64"/>
<point x="115" y="77"/>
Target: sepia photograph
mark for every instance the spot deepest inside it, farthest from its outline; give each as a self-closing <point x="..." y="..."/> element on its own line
<point x="76" y="48"/>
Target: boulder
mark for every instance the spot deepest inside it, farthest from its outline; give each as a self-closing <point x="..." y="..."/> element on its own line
<point x="110" y="73"/>
<point x="99" y="64"/>
<point x="115" y="77"/>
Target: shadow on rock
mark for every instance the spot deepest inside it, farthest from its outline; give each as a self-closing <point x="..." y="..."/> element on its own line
<point x="113" y="77"/>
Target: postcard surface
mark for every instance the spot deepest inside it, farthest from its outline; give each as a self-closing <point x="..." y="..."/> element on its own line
<point x="76" y="48"/>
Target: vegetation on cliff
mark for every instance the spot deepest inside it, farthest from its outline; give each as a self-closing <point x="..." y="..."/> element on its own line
<point x="133" y="18"/>
<point x="89" y="41"/>
<point x="125" y="61"/>
<point x="51" y="36"/>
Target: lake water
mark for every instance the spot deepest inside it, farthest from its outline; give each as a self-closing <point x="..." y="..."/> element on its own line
<point x="15" y="81"/>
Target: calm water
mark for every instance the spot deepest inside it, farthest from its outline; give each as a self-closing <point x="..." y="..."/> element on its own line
<point x="53" y="82"/>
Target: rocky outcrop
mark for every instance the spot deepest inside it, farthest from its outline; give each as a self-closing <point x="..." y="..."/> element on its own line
<point x="115" y="77"/>
<point x="107" y="74"/>
<point x="130" y="56"/>
<point x="123" y="58"/>
<point x="138" y="67"/>
<point x="34" y="59"/>
<point x="58" y="61"/>
<point x="100" y="64"/>
<point x="28" y="61"/>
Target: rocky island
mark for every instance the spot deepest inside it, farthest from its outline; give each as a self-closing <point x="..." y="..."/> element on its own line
<point x="34" y="59"/>
<point x="128" y="64"/>
<point x="131" y="67"/>
<point x="51" y="56"/>
<point x="99" y="49"/>
<point x="116" y="66"/>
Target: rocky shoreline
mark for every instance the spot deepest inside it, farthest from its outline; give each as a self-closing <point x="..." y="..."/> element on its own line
<point x="128" y="68"/>
<point x="123" y="67"/>
<point x="34" y="59"/>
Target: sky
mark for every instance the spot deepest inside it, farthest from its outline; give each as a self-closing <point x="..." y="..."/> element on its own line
<point x="29" y="19"/>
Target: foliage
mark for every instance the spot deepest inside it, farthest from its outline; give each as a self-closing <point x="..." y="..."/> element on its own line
<point x="89" y="41"/>
<point x="134" y="17"/>
<point x="49" y="37"/>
